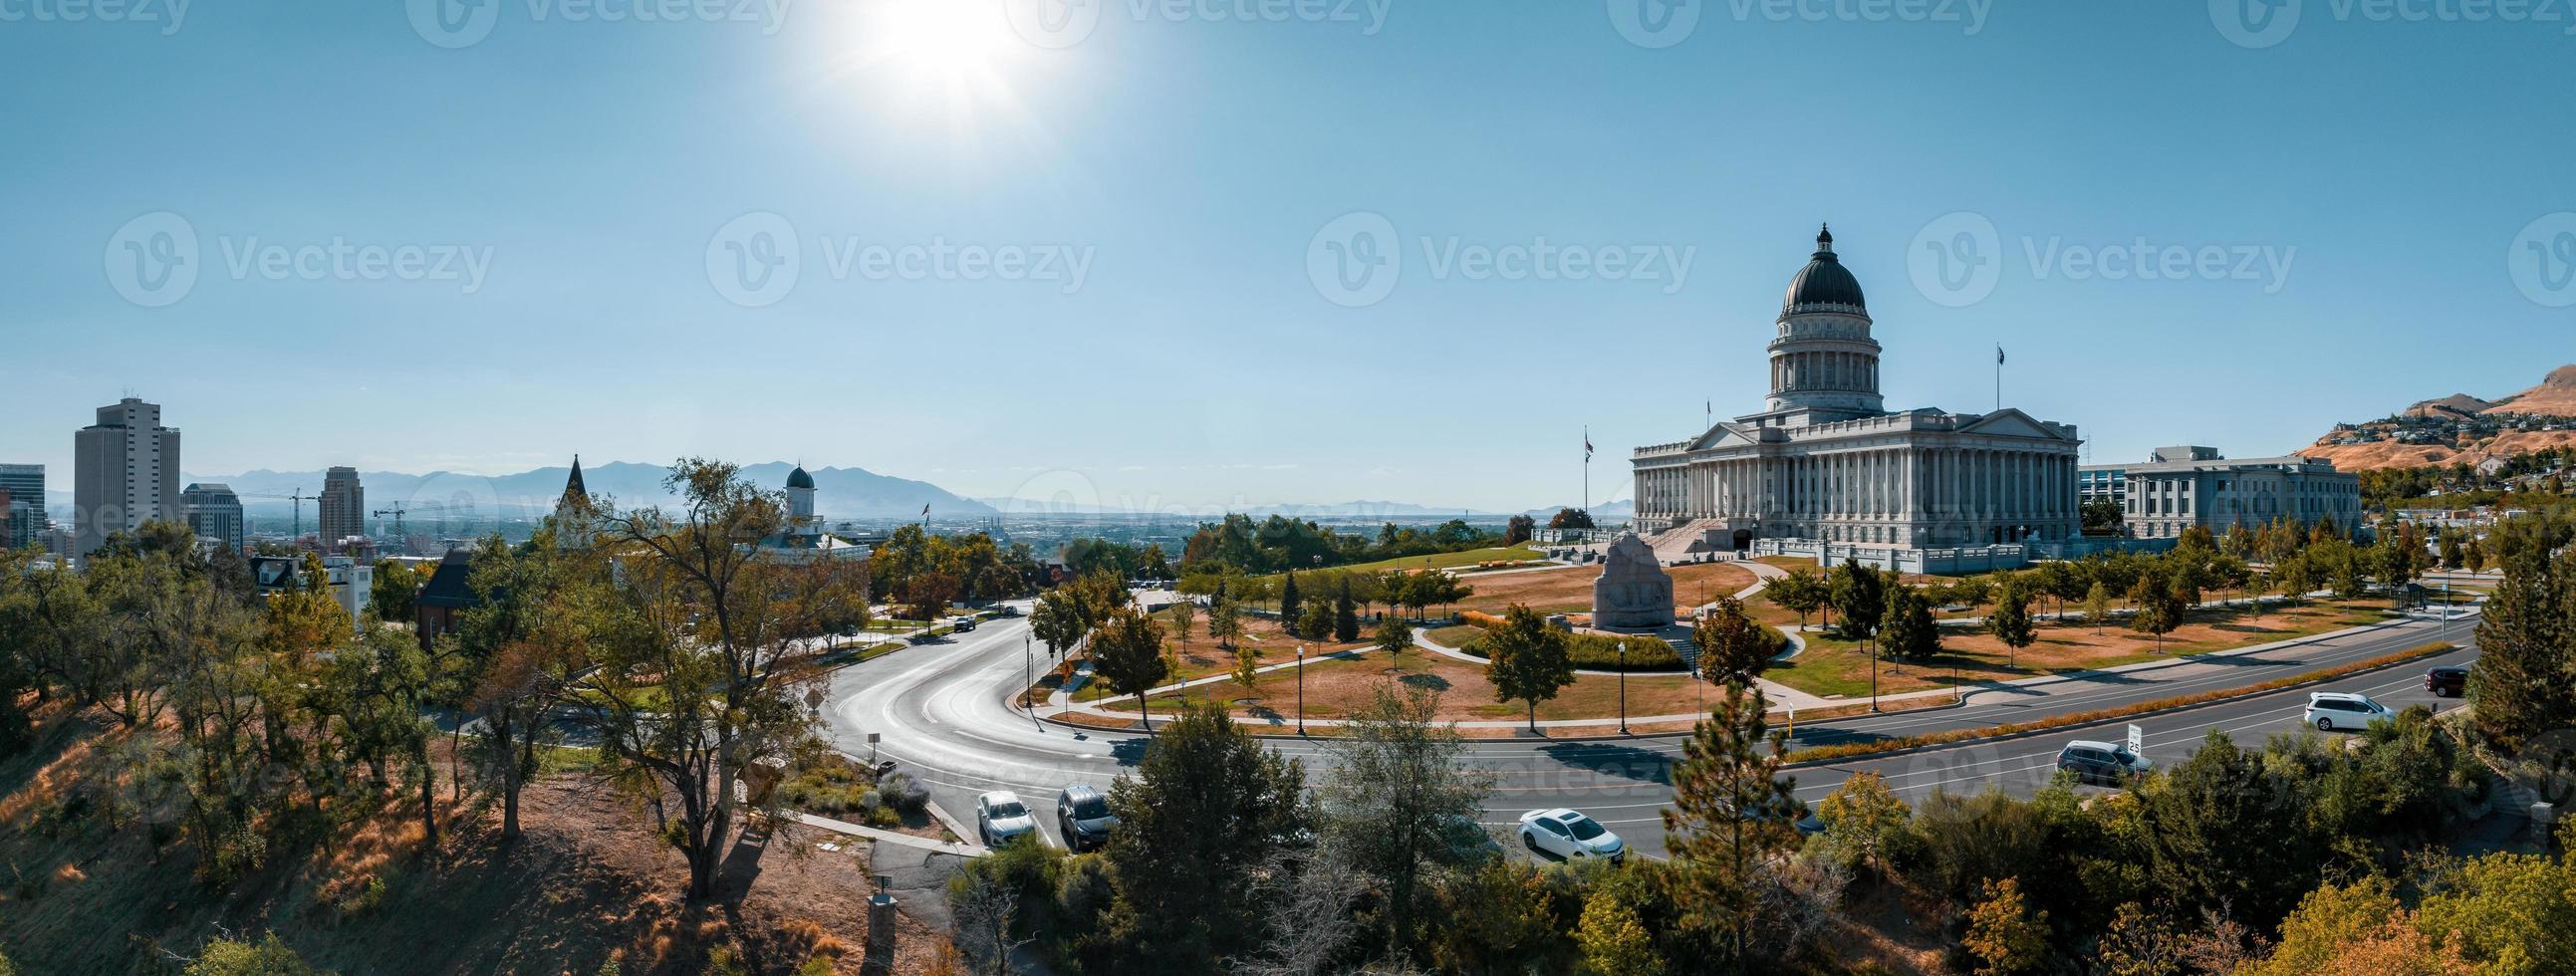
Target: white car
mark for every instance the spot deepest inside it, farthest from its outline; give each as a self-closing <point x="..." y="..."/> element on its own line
<point x="1568" y="834"/>
<point x="2331" y="710"/>
<point x="1000" y="817"/>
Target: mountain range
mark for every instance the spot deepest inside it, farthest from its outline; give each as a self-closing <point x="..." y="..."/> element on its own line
<point x="838" y="492"/>
<point x="2459" y="428"/>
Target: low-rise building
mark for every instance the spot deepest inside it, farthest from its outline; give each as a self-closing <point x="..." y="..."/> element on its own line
<point x="2181" y="487"/>
<point x="350" y="582"/>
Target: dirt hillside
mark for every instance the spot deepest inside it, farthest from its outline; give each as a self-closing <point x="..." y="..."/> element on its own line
<point x="2555" y="395"/>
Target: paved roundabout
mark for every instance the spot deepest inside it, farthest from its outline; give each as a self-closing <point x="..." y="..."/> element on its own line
<point x="943" y="712"/>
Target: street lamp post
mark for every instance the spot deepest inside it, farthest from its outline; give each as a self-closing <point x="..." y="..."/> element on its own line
<point x="1623" y="687"/>
<point x="1873" y="671"/>
<point x="1301" y="689"/>
<point x="1028" y="672"/>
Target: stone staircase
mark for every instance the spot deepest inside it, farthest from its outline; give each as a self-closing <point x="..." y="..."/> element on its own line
<point x="1686" y="540"/>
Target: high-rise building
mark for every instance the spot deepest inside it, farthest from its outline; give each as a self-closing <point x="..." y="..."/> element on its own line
<point x="125" y="472"/>
<point x="25" y="521"/>
<point x="215" y="513"/>
<point x="344" y="506"/>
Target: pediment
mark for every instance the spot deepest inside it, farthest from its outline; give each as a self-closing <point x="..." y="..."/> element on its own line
<point x="2012" y="423"/>
<point x="1722" y="435"/>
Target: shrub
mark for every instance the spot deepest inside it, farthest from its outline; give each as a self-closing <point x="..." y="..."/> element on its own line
<point x="1600" y="652"/>
<point x="906" y="797"/>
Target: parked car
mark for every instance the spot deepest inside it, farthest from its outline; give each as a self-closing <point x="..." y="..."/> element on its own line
<point x="2106" y="763"/>
<point x="1568" y="834"/>
<point x="1000" y="817"/>
<point x="1082" y="816"/>
<point x="2447" y="681"/>
<point x="2331" y="710"/>
<point x="1469" y="841"/>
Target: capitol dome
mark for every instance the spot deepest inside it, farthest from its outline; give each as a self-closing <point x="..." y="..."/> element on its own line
<point x="1824" y="285"/>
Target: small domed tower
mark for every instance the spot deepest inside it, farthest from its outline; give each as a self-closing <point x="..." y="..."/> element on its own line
<point x="800" y="503"/>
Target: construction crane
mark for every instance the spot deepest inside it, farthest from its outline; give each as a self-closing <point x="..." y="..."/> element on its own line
<point x="396" y="510"/>
<point x="296" y="498"/>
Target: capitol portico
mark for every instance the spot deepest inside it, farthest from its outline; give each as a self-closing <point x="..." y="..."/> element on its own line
<point x="1825" y="461"/>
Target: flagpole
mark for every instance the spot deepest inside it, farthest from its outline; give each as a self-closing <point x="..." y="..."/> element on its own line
<point x="1999" y="379"/>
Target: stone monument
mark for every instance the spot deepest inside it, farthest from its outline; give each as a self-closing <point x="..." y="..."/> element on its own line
<point x="1632" y="592"/>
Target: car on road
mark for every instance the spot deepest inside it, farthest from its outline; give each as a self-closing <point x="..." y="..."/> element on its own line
<point x="1570" y="835"/>
<point x="2447" y="681"/>
<point x="2331" y="710"/>
<point x="2106" y="763"/>
<point x="1082" y="816"/>
<point x="1000" y="817"/>
<point x="960" y="625"/>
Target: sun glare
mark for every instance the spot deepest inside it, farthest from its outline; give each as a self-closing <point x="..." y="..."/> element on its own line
<point x="954" y="38"/>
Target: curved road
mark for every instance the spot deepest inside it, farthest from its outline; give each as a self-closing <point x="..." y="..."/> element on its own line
<point x="943" y="715"/>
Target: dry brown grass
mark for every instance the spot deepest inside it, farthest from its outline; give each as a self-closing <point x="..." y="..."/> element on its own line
<point x="1569" y="590"/>
<point x="91" y="891"/>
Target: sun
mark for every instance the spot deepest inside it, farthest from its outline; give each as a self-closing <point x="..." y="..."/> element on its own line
<point x="959" y="40"/>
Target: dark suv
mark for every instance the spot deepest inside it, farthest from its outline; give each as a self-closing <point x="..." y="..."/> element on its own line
<point x="2102" y="762"/>
<point x="1082" y="816"/>
<point x="2447" y="682"/>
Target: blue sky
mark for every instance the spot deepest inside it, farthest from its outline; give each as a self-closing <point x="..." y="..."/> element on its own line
<point x="560" y="201"/>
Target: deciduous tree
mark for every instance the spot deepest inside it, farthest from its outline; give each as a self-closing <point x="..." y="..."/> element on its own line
<point x="1527" y="660"/>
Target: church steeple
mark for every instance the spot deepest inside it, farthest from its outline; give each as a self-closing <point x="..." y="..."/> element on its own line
<point x="574" y="490"/>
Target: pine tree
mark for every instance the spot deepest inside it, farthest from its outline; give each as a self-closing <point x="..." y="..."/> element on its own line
<point x="1732" y="811"/>
<point x="2520" y="687"/>
<point x="2159" y="610"/>
<point x="1905" y="626"/>
<point x="2010" y="622"/>
<point x="1346" y="615"/>
<point x="1291" y="603"/>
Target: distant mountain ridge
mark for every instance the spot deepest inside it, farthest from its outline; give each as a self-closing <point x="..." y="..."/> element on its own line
<point x="2459" y="428"/>
<point x="838" y="492"/>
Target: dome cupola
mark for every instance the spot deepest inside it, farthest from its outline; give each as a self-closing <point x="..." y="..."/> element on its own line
<point x="1824" y="285"/>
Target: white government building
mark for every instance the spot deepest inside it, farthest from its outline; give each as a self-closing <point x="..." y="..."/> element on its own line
<point x="1826" y="463"/>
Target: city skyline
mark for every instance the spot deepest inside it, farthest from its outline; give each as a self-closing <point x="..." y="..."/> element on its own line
<point x="1116" y="258"/>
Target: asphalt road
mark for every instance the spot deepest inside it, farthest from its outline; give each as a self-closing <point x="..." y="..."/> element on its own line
<point x="942" y="711"/>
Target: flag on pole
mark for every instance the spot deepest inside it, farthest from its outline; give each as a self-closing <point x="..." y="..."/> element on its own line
<point x="1587" y="444"/>
<point x="925" y="511"/>
<point x="1999" y="355"/>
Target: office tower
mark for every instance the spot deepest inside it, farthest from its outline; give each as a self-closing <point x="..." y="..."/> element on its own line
<point x="215" y="513"/>
<point x="344" y="507"/>
<point x="24" y="485"/>
<point x="125" y="472"/>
